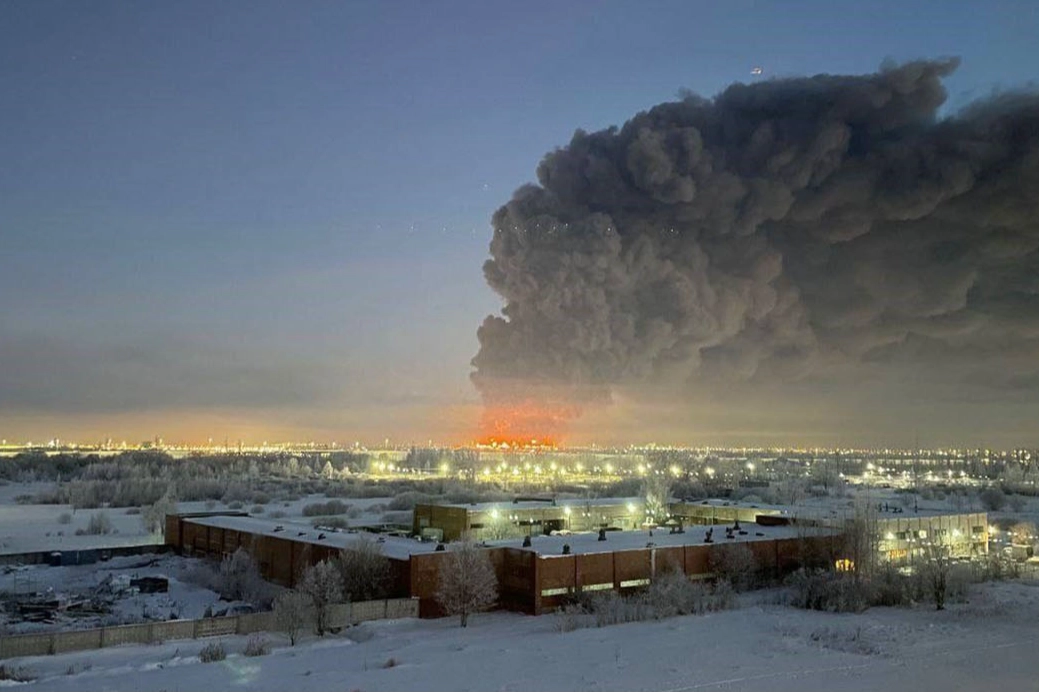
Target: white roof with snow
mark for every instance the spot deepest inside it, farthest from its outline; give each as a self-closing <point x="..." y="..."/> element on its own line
<point x="547" y="503"/>
<point x="392" y="547"/>
<point x="588" y="542"/>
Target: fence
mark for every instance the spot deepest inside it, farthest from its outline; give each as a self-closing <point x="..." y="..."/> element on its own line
<point x="340" y="615"/>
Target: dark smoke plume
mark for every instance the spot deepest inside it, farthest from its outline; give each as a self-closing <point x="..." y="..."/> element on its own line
<point x="780" y="231"/>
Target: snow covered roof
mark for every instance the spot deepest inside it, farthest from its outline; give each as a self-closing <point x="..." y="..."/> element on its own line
<point x="588" y="542"/>
<point x="835" y="507"/>
<point x="392" y="547"/>
<point x="546" y="503"/>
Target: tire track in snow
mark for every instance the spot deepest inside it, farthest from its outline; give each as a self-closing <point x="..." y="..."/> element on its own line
<point x="852" y="667"/>
<point x="770" y="675"/>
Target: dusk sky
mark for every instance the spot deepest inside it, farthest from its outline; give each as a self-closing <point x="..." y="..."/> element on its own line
<point x="268" y="220"/>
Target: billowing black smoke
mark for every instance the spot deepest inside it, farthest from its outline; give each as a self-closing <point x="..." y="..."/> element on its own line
<point x="781" y="230"/>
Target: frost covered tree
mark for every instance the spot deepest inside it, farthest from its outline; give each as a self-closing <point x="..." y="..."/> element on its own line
<point x="153" y="516"/>
<point x="1023" y="533"/>
<point x="467" y="581"/>
<point x="935" y="572"/>
<point x="364" y="570"/>
<point x="323" y="585"/>
<point x="292" y="614"/>
<point x="239" y="579"/>
<point x="656" y="495"/>
<point x="498" y="526"/>
<point x="861" y="538"/>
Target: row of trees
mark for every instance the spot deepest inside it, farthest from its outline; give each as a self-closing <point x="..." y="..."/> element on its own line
<point x="467" y="585"/>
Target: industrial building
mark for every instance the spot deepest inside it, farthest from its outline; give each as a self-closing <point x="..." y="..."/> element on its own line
<point x="901" y="535"/>
<point x="532" y="578"/>
<point x="534" y="516"/>
<point x="544" y="550"/>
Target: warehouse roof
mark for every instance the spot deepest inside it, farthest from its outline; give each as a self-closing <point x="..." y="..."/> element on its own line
<point x="392" y="546"/>
<point x="530" y="504"/>
<point x="588" y="542"/>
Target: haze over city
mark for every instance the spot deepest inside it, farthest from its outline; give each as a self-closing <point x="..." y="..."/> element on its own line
<point x="259" y="223"/>
<point x="437" y="346"/>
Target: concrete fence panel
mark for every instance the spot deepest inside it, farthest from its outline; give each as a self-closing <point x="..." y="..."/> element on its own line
<point x="31" y="645"/>
<point x="367" y="611"/>
<point x="340" y="615"/>
<point x="211" y="627"/>
<point x="126" y="635"/>
<point x="402" y="608"/>
<point x="173" y="630"/>
<point x="255" y="623"/>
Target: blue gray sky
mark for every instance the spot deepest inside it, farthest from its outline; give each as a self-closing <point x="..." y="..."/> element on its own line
<point x="266" y="220"/>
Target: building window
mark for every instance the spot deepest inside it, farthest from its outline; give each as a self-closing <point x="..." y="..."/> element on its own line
<point x="597" y="586"/>
<point x="635" y="583"/>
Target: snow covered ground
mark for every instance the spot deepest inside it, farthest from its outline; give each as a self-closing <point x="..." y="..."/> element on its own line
<point x="74" y="583"/>
<point x="33" y="527"/>
<point x="988" y="643"/>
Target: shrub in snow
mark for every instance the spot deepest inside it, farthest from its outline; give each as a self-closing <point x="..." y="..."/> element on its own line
<point x="64" y="518"/>
<point x="408" y="500"/>
<point x="736" y="564"/>
<point x="16" y="674"/>
<point x="257" y="646"/>
<point x="571" y="617"/>
<point x="723" y="596"/>
<point x="674" y="594"/>
<point x="332" y="507"/>
<point x="467" y="581"/>
<point x="1017" y="503"/>
<point x="822" y="590"/>
<point x="993" y="499"/>
<point x="213" y="652"/>
<point x="99" y="523"/>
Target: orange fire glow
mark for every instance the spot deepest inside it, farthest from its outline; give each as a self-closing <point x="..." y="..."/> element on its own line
<point x="525" y="424"/>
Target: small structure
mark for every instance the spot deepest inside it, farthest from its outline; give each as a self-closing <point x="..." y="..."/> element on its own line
<point x="151" y="585"/>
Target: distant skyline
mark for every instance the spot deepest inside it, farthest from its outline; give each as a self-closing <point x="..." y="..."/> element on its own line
<point x="267" y="220"/>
